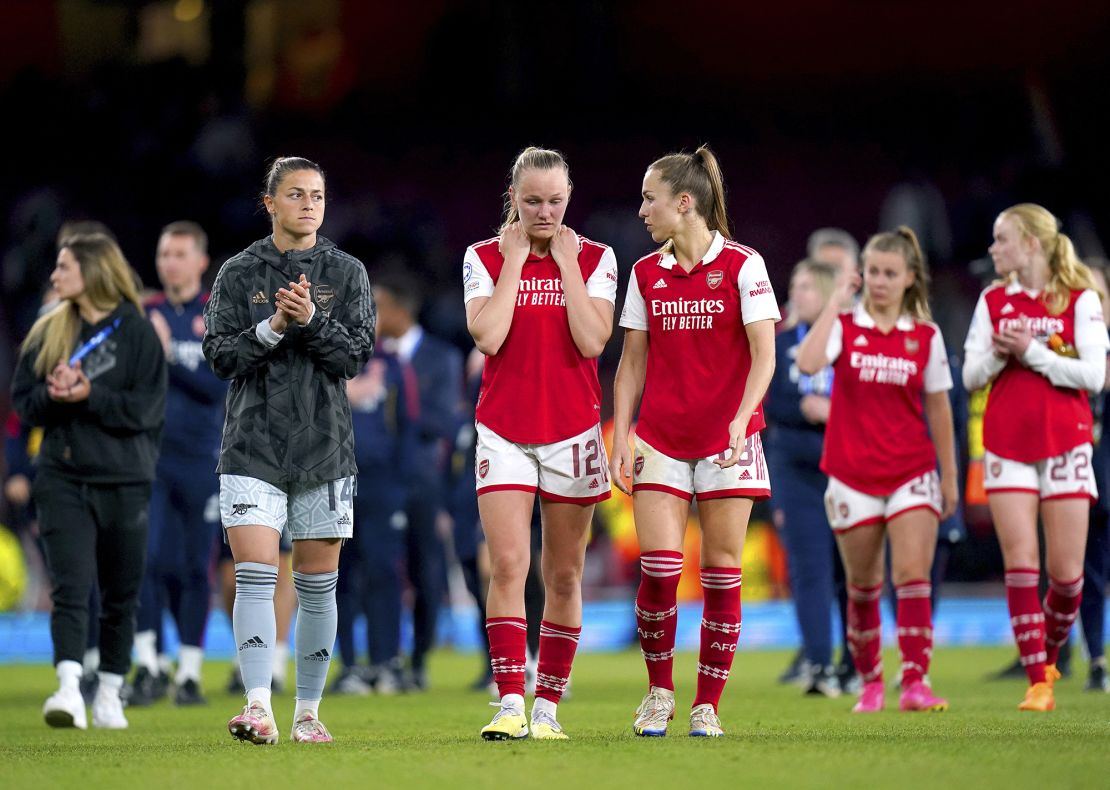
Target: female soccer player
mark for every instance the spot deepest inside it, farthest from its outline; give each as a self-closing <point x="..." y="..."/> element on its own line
<point x="699" y="346"/>
<point x="539" y="304"/>
<point x="889" y="396"/>
<point x="290" y="318"/>
<point x="1037" y="336"/>
<point x="93" y="375"/>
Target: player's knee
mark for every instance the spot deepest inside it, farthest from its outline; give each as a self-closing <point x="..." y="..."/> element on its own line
<point x="563" y="582"/>
<point x="508" y="569"/>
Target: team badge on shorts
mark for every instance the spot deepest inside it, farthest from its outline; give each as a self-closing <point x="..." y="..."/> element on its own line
<point x="639" y="465"/>
<point x="912" y="345"/>
<point x="714" y="278"/>
<point x="844" y="510"/>
<point x="996" y="468"/>
<point x="483" y="468"/>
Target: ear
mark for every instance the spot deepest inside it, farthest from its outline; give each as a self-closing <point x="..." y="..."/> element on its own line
<point x="685" y="203"/>
<point x="570" y="188"/>
<point x="204" y="264"/>
<point x="268" y="202"/>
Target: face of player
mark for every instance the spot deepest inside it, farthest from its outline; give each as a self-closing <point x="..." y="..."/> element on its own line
<point x="297" y="206"/>
<point x="1010" y="252"/>
<point x="66" y="279"/>
<point x="541" y="200"/>
<point x="180" y="263"/>
<point x="837" y="256"/>
<point x="886" y="278"/>
<point x="807" y="299"/>
<point x="659" y="210"/>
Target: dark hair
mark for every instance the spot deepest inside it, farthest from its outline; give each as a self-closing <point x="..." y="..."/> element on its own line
<point x="403" y="287"/>
<point x="531" y="158"/>
<point x="699" y="175"/>
<point x="283" y="166"/>
<point x="191" y="229"/>
<point x="82" y="227"/>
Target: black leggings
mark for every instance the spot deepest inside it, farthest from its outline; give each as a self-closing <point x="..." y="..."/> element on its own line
<point x="93" y="533"/>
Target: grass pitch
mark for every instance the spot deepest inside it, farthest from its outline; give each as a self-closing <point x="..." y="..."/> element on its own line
<point x="776" y="737"/>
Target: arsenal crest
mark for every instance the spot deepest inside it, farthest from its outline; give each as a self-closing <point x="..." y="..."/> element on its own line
<point x="714" y="278"/>
<point x="996" y="468"/>
<point x="483" y="468"/>
<point x="912" y="345"/>
<point x="844" y="510"/>
<point x="324" y="295"/>
<point x="639" y="465"/>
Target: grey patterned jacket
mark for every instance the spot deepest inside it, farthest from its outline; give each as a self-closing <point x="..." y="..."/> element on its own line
<point x="288" y="417"/>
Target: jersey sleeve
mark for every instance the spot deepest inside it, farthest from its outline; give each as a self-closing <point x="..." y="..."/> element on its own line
<point x="476" y="279"/>
<point x="938" y="375"/>
<point x="634" y="314"/>
<point x="1089" y="371"/>
<point x="602" y="284"/>
<point x="1090" y="324"/>
<point x="981" y="364"/>
<point x="836" y="342"/>
<point x="757" y="298"/>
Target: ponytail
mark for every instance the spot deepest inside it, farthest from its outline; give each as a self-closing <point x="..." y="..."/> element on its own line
<point x="903" y="241"/>
<point x="699" y="175"/>
<point x="1066" y="272"/>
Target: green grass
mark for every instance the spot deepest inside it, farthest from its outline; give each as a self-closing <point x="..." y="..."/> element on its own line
<point x="776" y="737"/>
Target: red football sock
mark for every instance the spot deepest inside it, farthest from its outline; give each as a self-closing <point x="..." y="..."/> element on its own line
<point x="557" y="646"/>
<point x="915" y="629"/>
<point x="865" y="631"/>
<point x="720" y="630"/>
<point x="1061" y="605"/>
<point x="508" y="642"/>
<point x="657" y="613"/>
<point x="1027" y="619"/>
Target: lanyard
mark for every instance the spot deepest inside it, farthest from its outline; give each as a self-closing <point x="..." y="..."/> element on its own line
<point x="93" y="342"/>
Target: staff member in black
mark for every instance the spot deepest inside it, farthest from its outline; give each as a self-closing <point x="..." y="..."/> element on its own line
<point x="93" y="375"/>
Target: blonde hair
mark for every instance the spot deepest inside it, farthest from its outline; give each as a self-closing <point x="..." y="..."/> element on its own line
<point x="699" y="175"/>
<point x="903" y="241"/>
<point x="531" y="158"/>
<point x="824" y="278"/>
<point x="109" y="280"/>
<point x="1066" y="271"/>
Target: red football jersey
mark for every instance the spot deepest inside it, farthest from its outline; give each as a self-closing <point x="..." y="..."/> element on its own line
<point x="539" y="388"/>
<point x="1027" y="418"/>
<point x="877" y="438"/>
<point x="698" y="354"/>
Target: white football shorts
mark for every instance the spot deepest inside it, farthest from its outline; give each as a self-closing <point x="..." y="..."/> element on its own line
<point x="1065" y="476"/>
<point x="574" y="470"/>
<point x="309" y="510"/>
<point x="654" y="470"/>
<point x="848" y="508"/>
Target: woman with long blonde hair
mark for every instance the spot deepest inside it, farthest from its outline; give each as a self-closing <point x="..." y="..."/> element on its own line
<point x="890" y="422"/>
<point x="93" y="375"/>
<point x="1039" y="339"/>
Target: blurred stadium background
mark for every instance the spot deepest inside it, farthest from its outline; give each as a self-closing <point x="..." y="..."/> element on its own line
<point x="860" y="114"/>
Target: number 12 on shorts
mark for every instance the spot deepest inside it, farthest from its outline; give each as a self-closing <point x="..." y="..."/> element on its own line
<point x="593" y="466"/>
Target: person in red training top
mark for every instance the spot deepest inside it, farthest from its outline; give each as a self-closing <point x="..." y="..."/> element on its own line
<point x="889" y="396"/>
<point x="1038" y="338"/>
<point x="699" y="345"/>
<point x="539" y="304"/>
